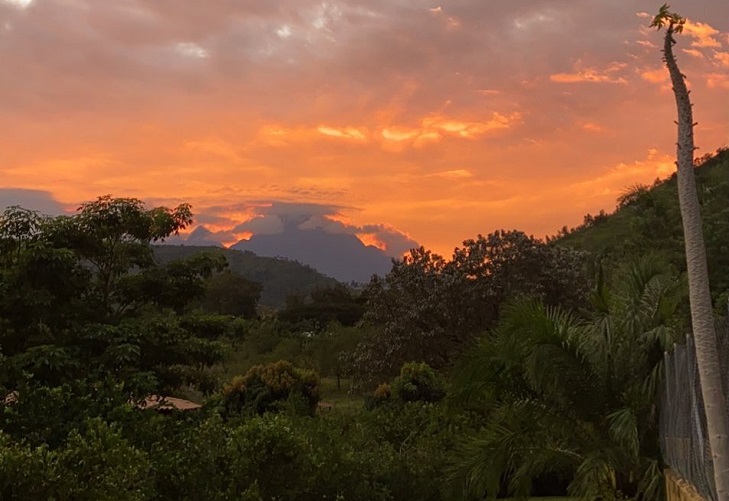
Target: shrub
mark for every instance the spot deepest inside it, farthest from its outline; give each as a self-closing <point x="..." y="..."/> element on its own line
<point x="383" y="393"/>
<point x="272" y="387"/>
<point x="418" y="382"/>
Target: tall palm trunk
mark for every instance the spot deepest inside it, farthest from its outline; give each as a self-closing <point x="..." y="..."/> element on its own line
<point x="707" y="354"/>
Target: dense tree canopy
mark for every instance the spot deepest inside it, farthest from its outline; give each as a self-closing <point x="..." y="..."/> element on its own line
<point x="431" y="308"/>
<point x="83" y="299"/>
<point x="508" y="369"/>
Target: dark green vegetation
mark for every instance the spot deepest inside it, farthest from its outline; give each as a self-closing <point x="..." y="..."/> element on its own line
<point x="278" y="278"/>
<point x="517" y="367"/>
<point x="648" y="220"/>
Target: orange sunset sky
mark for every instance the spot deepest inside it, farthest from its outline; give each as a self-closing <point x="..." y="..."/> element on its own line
<point x="402" y="121"/>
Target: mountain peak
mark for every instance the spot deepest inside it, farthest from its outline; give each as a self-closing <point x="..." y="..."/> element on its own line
<point x="339" y="255"/>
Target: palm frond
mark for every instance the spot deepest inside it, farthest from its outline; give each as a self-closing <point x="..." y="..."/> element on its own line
<point x="623" y="429"/>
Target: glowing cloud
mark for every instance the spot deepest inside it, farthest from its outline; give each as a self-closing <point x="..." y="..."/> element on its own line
<point x="418" y="115"/>
<point x="193" y="50"/>
<point x="592" y="127"/>
<point x="721" y="58"/>
<point x="345" y="133"/>
<point x="694" y="53"/>
<point x="454" y="174"/>
<point x="20" y="4"/>
<point x="717" y="80"/>
<point x="371" y="239"/>
<point x="703" y="34"/>
<point x="436" y="127"/>
<point x="656" y="76"/>
<point x="591" y="75"/>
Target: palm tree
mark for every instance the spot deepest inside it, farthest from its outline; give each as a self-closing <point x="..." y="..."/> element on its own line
<point x="573" y="397"/>
<point x="707" y="354"/>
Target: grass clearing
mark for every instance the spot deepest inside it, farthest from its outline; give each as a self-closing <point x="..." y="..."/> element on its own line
<point x="340" y="395"/>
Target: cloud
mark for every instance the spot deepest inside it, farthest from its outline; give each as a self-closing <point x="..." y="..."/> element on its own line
<point x="20" y="4"/>
<point x="38" y="200"/>
<point x="454" y="174"/>
<point x="721" y="58"/>
<point x="191" y="49"/>
<point x="269" y="224"/>
<point x="703" y="34"/>
<point x="345" y="133"/>
<point x="592" y="75"/>
<point x="718" y="80"/>
<point x="387" y="238"/>
<point x="414" y="113"/>
<point x="657" y="76"/>
<point x="274" y="217"/>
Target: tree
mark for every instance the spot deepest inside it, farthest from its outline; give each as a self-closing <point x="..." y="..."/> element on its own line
<point x="82" y="301"/>
<point x="229" y="293"/>
<point x="324" y="305"/>
<point x="113" y="236"/>
<point x="573" y="397"/>
<point x="270" y="387"/>
<point x="418" y="383"/>
<point x="430" y="309"/>
<point x="707" y="354"/>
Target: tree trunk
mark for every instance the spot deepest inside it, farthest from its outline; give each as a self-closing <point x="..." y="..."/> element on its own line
<point x="702" y="320"/>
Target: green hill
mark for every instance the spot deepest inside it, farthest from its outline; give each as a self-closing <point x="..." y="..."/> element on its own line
<point x="279" y="277"/>
<point x="648" y="221"/>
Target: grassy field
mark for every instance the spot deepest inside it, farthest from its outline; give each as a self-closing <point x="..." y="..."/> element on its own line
<point x="340" y="397"/>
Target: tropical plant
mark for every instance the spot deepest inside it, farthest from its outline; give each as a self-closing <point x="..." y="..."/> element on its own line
<point x="573" y="397"/>
<point x="707" y="353"/>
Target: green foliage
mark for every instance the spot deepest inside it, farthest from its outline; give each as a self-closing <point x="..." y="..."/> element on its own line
<point x="430" y="309"/>
<point x="648" y="222"/>
<point x="272" y="387"/>
<point x="418" y="382"/>
<point x="46" y="415"/>
<point x="90" y="324"/>
<point x="279" y="278"/>
<point x="574" y="397"/>
<point x="26" y="473"/>
<point x="100" y="465"/>
<point x="324" y="306"/>
<point x="386" y="454"/>
<point x="664" y="16"/>
<point x="85" y="297"/>
<point x="270" y="340"/>
<point x="94" y="464"/>
<point x="383" y="393"/>
<point x="264" y="448"/>
<point x="561" y="391"/>
<point x="229" y="293"/>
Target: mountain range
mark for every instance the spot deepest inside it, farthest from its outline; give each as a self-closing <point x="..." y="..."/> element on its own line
<point x="338" y="255"/>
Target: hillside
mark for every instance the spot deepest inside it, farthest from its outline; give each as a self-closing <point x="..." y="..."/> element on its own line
<point x="648" y="221"/>
<point x="279" y="277"/>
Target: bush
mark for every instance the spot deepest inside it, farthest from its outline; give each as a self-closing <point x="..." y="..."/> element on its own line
<point x="96" y="464"/>
<point x="272" y="387"/>
<point x="383" y="393"/>
<point x="418" y="382"/>
<point x="269" y="452"/>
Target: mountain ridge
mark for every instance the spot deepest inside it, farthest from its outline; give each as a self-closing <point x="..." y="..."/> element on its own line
<point x="341" y="256"/>
<point x="279" y="278"/>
